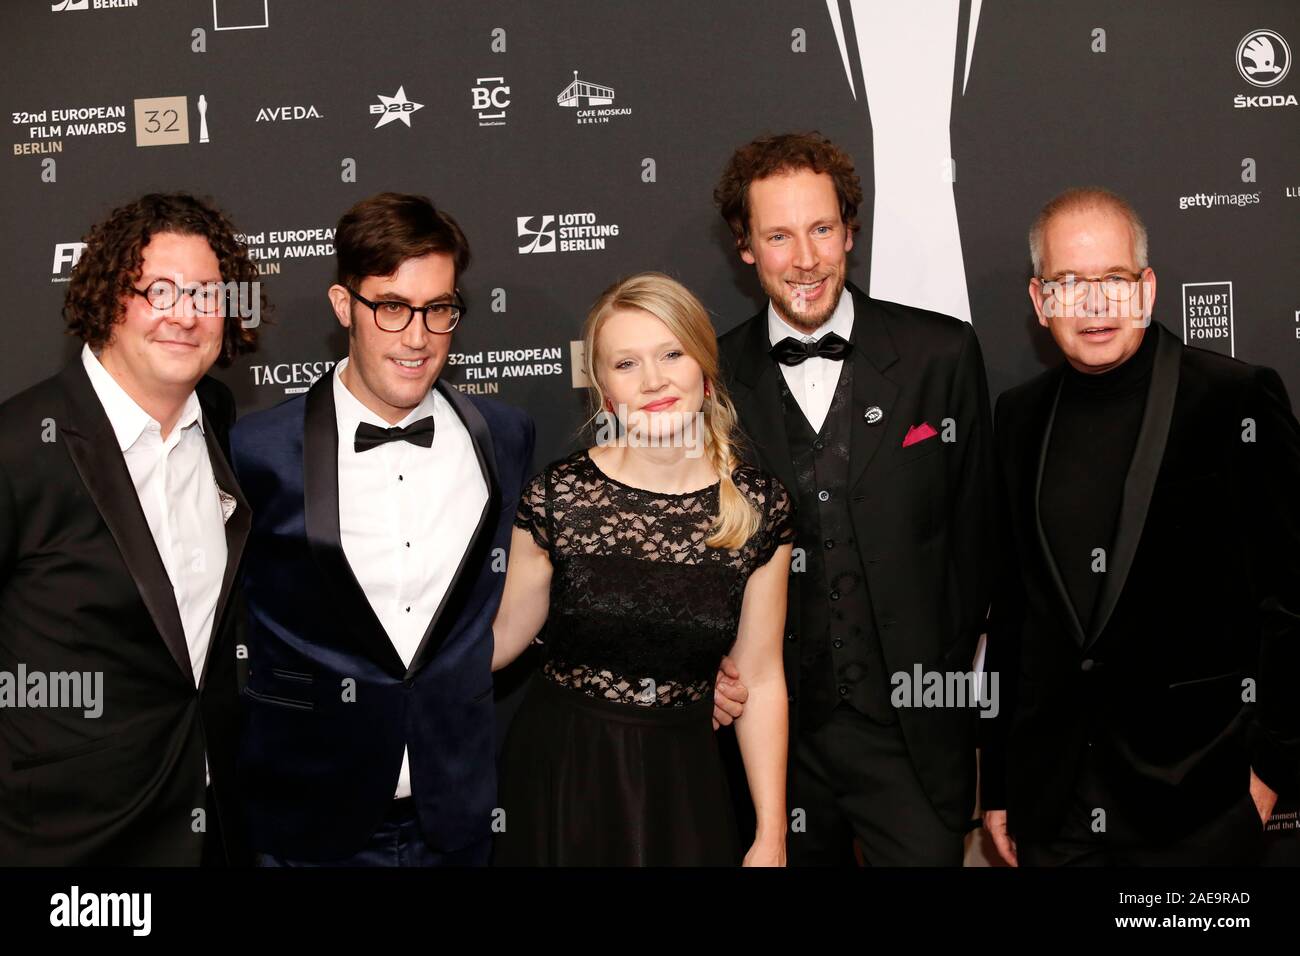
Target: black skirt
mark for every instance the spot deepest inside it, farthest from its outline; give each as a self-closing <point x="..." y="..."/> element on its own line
<point x="593" y="782"/>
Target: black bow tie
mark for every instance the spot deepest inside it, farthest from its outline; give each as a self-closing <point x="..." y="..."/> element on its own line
<point x="372" y="436"/>
<point x="790" y="351"/>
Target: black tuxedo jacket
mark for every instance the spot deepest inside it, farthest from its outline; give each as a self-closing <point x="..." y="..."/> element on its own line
<point x="1186" y="678"/>
<point x="921" y="514"/>
<point x="82" y="588"/>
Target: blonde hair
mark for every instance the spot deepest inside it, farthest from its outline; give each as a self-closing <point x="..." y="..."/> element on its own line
<point x="673" y="304"/>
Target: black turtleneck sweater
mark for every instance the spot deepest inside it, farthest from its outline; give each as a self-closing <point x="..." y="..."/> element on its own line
<point x="1093" y="437"/>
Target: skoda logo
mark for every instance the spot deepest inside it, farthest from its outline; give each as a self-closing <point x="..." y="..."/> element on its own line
<point x="1263" y="58"/>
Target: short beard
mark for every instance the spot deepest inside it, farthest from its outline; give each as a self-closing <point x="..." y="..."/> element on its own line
<point x="806" y="322"/>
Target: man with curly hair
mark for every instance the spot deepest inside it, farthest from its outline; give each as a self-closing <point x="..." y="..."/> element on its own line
<point x="121" y="528"/>
<point x="875" y="415"/>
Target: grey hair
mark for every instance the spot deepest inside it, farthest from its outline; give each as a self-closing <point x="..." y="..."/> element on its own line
<point x="1078" y="199"/>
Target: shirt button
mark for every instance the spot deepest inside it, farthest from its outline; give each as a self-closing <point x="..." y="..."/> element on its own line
<point x="844" y="691"/>
<point x="837" y="643"/>
<point x="408" y="544"/>
<point x="399" y="477"/>
<point x="408" y="610"/>
<point x="835" y="595"/>
<point x="829" y="544"/>
<point x="823" y="496"/>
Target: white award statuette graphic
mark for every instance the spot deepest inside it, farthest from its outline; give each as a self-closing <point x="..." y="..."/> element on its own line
<point x="916" y="255"/>
<point x="203" y="118"/>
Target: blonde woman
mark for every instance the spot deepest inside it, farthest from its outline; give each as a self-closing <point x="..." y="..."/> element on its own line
<point x="640" y="562"/>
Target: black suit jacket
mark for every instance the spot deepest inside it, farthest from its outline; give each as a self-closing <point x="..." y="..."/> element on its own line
<point x="1199" y="614"/>
<point x="82" y="588"/>
<point x="921" y="514"/>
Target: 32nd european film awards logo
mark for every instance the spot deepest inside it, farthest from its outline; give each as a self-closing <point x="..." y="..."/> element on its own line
<point x="165" y="120"/>
<point x="1207" y="316"/>
<point x="1263" y="60"/>
<point x="563" y="232"/>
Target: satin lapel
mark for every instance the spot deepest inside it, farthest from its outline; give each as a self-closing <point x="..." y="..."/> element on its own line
<point x="1062" y="593"/>
<point x="873" y="352"/>
<point x="757" y="398"/>
<point x="453" y="601"/>
<point x="1141" y="481"/>
<point x="92" y="445"/>
<point x="241" y="519"/>
<point x="320" y="462"/>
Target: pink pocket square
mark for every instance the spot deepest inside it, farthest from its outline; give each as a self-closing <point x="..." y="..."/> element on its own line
<point x="919" y="433"/>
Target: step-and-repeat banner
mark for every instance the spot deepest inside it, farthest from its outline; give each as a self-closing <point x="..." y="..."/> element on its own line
<point x="579" y="140"/>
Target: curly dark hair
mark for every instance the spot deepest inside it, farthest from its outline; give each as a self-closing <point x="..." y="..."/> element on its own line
<point x="786" y="153"/>
<point x="111" y="263"/>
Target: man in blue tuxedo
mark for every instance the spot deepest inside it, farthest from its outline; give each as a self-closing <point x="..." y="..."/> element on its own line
<point x="382" y="504"/>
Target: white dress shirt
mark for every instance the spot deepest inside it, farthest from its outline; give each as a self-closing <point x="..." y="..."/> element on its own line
<point x="406" y="517"/>
<point x="812" y="382"/>
<point x="178" y="493"/>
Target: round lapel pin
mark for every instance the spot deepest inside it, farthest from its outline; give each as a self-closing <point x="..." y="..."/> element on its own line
<point x="874" y="415"/>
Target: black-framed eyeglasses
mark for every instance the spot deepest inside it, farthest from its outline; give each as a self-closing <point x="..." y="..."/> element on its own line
<point x="1070" y="289"/>
<point x="392" y="316"/>
<point x="162" y="294"/>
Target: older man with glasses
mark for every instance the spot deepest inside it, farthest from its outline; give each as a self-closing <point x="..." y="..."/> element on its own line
<point x="1146" y="624"/>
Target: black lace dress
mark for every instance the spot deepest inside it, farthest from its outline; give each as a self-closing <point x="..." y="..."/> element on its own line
<point x="611" y="759"/>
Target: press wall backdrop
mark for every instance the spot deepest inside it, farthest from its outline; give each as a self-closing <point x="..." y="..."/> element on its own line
<point x="579" y="140"/>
